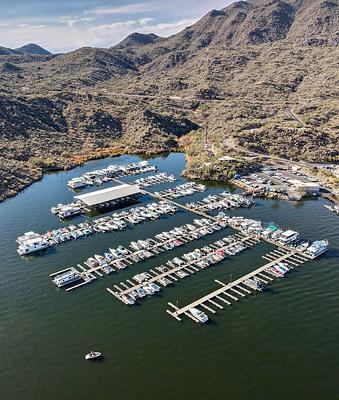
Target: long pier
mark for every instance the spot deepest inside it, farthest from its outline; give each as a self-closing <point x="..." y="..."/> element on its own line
<point x="233" y="291"/>
<point x="293" y="256"/>
<point x="157" y="246"/>
<point x="208" y="216"/>
<point x="189" y="267"/>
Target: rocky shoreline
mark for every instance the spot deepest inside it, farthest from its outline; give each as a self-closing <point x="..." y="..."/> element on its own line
<point x="74" y="161"/>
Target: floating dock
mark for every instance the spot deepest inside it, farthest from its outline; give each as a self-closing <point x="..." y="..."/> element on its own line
<point x="173" y="269"/>
<point x="156" y="246"/>
<point x="85" y="276"/>
<point x="236" y="290"/>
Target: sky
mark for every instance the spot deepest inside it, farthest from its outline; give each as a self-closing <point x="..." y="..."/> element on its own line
<point x="65" y="25"/>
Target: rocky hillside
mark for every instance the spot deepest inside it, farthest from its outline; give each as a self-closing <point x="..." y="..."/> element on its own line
<point x="262" y="72"/>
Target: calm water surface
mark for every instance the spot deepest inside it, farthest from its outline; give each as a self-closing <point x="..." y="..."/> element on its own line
<point x="282" y="344"/>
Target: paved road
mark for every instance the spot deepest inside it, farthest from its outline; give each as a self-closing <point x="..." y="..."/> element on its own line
<point x="229" y="142"/>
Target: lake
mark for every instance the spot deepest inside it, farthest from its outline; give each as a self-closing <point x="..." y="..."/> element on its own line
<point x="281" y="344"/>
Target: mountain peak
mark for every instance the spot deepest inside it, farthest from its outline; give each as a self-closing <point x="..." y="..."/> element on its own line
<point x="32" y="48"/>
<point x="139" y="39"/>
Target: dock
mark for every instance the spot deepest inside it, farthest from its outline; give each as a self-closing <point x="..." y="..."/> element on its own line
<point x="236" y="290"/>
<point x="85" y="277"/>
<point x="205" y="214"/>
<point x="186" y="268"/>
<point x="154" y="247"/>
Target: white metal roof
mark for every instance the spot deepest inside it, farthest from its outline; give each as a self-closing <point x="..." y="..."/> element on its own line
<point x="106" y="195"/>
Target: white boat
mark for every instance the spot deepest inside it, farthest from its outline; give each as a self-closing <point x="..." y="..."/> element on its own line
<point x="27" y="236"/>
<point x="76" y="183"/>
<point x="70" y="211"/>
<point x="303" y="246"/>
<point x="93" y="355"/>
<point x="154" y="286"/>
<point x="32" y="245"/>
<point x="148" y="290"/>
<point x="127" y="299"/>
<point x="141" y="292"/>
<point x="288" y="237"/>
<point x="66" y="278"/>
<point x="101" y="260"/>
<point x="199" y="315"/>
<point x="318" y="247"/>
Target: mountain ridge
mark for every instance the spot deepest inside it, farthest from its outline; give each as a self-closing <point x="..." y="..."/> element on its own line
<point x="234" y="72"/>
<point x="30" y="48"/>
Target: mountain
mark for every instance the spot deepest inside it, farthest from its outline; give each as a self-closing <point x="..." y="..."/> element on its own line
<point x="32" y="48"/>
<point x="242" y="72"/>
<point x="139" y="39"/>
<point x="5" y="51"/>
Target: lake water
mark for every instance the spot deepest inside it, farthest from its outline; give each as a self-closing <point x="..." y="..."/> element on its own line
<point x="282" y="344"/>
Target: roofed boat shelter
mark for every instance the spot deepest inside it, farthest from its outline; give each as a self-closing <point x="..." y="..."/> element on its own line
<point x="105" y="198"/>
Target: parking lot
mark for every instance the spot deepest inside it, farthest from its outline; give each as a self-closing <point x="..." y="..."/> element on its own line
<point x="281" y="182"/>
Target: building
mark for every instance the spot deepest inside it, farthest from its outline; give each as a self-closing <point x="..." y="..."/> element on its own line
<point x="305" y="188"/>
<point x="108" y="198"/>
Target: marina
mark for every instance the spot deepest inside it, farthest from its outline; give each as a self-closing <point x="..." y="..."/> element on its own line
<point x="104" y="175"/>
<point x="79" y="320"/>
<point x="154" y="180"/>
<point x="183" y="190"/>
<point x="122" y="257"/>
<point x="116" y="222"/>
<point x="189" y="263"/>
<point x="169" y="200"/>
<point x="280" y="262"/>
<point x="223" y="201"/>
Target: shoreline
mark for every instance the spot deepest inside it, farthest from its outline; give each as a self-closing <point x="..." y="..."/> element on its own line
<point x="79" y="160"/>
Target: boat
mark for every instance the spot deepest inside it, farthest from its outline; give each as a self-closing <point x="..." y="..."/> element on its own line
<point x="66" y="278"/>
<point x="199" y="315"/>
<point x="70" y="211"/>
<point x="101" y="260"/>
<point x="318" y="247"/>
<point x="32" y="245"/>
<point x="27" y="236"/>
<point x="254" y="284"/>
<point x="334" y="209"/>
<point x="302" y="246"/>
<point x="93" y="355"/>
<point x="107" y="269"/>
<point x="280" y="269"/>
<point x="127" y="299"/>
<point x="154" y="286"/>
<point x="288" y="237"/>
<point x="76" y="183"/>
<point x="148" y="290"/>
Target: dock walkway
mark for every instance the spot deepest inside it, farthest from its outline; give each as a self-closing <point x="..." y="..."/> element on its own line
<point x="237" y="287"/>
<point x="189" y="267"/>
<point x="208" y="216"/>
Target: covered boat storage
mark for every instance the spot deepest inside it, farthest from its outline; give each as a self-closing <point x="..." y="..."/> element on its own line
<point x="108" y="198"/>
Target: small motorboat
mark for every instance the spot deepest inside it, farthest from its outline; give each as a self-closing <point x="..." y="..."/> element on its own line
<point x="93" y="355"/>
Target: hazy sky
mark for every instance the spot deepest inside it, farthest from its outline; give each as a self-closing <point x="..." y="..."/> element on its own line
<point x="63" y="25"/>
